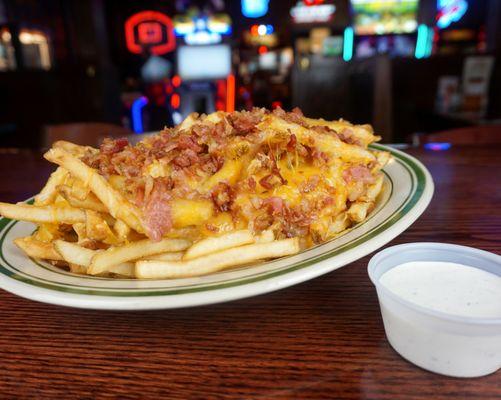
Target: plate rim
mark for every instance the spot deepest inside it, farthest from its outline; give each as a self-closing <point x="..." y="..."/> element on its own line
<point x="238" y="288"/>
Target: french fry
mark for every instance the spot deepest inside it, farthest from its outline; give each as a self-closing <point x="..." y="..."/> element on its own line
<point x="171" y="256"/>
<point x="116" y="204"/>
<point x="77" y="269"/>
<point x="96" y="228"/>
<point x="91" y="202"/>
<point x="358" y="211"/>
<point x="265" y="236"/>
<point x="52" y="214"/>
<point x="328" y="144"/>
<point x="37" y="249"/>
<point x="74" y="254"/>
<point x="217" y="261"/>
<point x="122" y="230"/>
<point x="79" y="259"/>
<point x="218" y="243"/>
<point x="49" y="191"/>
<point x="72" y="148"/>
<point x="102" y="261"/>
<point x="124" y="269"/>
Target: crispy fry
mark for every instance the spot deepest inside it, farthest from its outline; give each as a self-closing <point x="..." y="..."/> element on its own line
<point x="73" y="253"/>
<point x="133" y="251"/>
<point x="26" y="212"/>
<point x="218" y="243"/>
<point x="37" y="249"/>
<point x="91" y="202"/>
<point x="170" y="256"/>
<point x="72" y="148"/>
<point x="124" y="269"/>
<point x="216" y="261"/>
<point x="96" y="228"/>
<point x="79" y="259"/>
<point x="265" y="237"/>
<point x="116" y="204"/>
<point x="49" y="191"/>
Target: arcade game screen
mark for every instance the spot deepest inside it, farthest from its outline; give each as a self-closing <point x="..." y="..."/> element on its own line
<point x="376" y="17"/>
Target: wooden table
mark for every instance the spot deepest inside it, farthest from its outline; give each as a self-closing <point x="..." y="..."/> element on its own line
<point x="321" y="339"/>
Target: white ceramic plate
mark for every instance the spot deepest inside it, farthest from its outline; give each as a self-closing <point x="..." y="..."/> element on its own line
<point x="408" y="189"/>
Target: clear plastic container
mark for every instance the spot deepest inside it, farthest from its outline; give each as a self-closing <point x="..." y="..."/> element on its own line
<point x="437" y="341"/>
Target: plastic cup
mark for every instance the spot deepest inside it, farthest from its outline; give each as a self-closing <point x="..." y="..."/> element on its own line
<point x="437" y="341"/>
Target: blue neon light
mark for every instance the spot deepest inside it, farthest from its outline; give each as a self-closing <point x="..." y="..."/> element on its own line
<point x="348" y="43"/>
<point x="254" y="8"/>
<point x="437" y="146"/>
<point x="450" y="11"/>
<point x="421" y="41"/>
<point x="137" y="115"/>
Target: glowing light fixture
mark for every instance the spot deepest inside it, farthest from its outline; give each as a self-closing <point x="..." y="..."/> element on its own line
<point x="35" y="38"/>
<point x="230" y="93"/>
<point x="137" y="114"/>
<point x="254" y="8"/>
<point x="437" y="146"/>
<point x="303" y="13"/>
<point x="424" y="41"/>
<point x="348" y="44"/>
<point x="450" y="11"/>
<point x="150" y="29"/>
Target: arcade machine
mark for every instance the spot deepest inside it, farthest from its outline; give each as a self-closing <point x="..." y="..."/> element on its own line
<point x="385" y="27"/>
<point x="204" y="81"/>
<point x="150" y="35"/>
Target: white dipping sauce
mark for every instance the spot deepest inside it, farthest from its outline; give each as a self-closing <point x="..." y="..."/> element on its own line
<point x="448" y="287"/>
<point x="456" y="348"/>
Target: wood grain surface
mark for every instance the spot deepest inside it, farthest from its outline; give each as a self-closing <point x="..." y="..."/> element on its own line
<point x="317" y="340"/>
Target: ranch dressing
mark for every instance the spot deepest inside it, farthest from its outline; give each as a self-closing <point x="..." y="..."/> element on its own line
<point x="447" y="287"/>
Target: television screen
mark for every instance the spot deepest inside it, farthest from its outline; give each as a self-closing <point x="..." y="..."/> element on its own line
<point x="204" y="62"/>
<point x="379" y="17"/>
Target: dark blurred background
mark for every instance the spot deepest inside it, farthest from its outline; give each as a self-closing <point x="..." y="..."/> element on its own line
<point x="87" y="68"/>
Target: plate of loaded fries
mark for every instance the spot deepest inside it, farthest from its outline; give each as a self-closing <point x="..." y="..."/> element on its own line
<point x="221" y="207"/>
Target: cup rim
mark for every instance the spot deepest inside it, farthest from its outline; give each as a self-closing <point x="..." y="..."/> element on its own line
<point x="389" y="251"/>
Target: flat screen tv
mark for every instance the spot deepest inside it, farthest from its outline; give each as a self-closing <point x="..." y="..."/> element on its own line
<point x="204" y="62"/>
<point x="381" y="17"/>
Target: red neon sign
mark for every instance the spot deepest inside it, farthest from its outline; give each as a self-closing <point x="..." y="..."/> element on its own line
<point x="152" y="29"/>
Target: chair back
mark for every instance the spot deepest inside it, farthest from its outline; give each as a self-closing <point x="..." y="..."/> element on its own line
<point x="83" y="133"/>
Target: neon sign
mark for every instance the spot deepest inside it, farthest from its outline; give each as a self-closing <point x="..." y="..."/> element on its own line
<point x="254" y="8"/>
<point x="152" y="30"/>
<point x="202" y="30"/>
<point x="306" y="13"/>
<point x="450" y="11"/>
<point x="137" y="114"/>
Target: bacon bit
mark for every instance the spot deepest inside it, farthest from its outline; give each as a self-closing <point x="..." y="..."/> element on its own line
<point x="359" y="173"/>
<point x="256" y="202"/>
<point x="222" y="196"/>
<point x="296" y="116"/>
<point x="322" y="129"/>
<point x="275" y="205"/>
<point x="291" y="144"/>
<point x="262" y="222"/>
<point x="244" y="122"/>
<point x="252" y="183"/>
<point x="270" y="181"/>
<point x="110" y="146"/>
<point x="188" y="142"/>
<point x="319" y="156"/>
<point x="212" y="228"/>
<point x="157" y="211"/>
<point x="310" y="184"/>
<point x="348" y="136"/>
